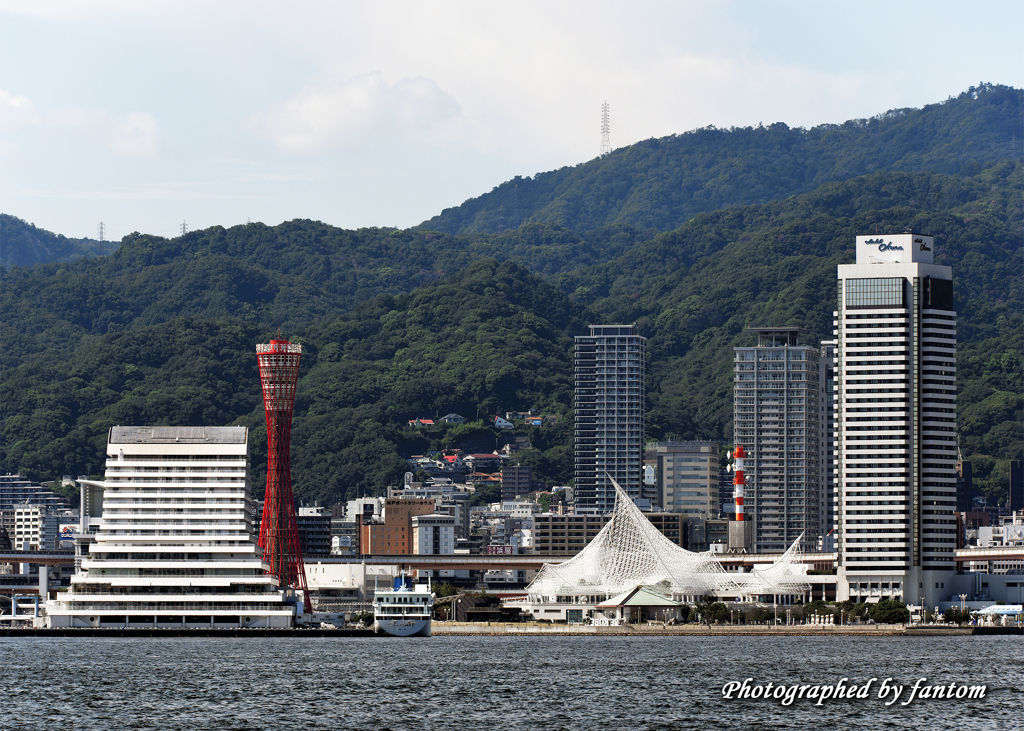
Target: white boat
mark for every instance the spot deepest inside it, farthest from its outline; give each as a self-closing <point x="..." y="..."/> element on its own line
<point x="404" y="610"/>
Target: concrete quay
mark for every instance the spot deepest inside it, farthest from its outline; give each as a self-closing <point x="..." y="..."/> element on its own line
<point x="128" y="632"/>
<point x="658" y="630"/>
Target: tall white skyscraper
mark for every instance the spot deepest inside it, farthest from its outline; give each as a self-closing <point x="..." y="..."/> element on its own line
<point x="896" y="422"/>
<point x="609" y="413"/>
<point x="776" y="420"/>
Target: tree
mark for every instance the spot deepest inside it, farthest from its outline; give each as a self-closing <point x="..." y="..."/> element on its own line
<point x="712" y="610"/>
<point x="890" y="611"/>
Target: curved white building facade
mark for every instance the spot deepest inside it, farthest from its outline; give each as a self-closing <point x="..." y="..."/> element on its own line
<point x="175" y="547"/>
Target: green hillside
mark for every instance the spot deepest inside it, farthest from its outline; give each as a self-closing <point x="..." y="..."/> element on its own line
<point x="403" y="324"/>
<point x="22" y="244"/>
<point x="661" y="183"/>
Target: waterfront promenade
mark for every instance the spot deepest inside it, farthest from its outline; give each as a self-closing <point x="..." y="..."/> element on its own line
<point x="529" y="629"/>
<point x="692" y="630"/>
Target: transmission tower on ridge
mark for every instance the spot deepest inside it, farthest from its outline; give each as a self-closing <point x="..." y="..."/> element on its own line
<point x="606" y="129"/>
<point x="184" y="228"/>
<point x="100" y="233"/>
<point x="279" y="530"/>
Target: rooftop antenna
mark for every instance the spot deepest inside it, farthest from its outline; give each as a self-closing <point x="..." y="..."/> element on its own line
<point x="606" y="128"/>
<point x="101" y="232"/>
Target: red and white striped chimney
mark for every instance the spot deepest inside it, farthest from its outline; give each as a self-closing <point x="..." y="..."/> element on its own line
<point x="738" y="481"/>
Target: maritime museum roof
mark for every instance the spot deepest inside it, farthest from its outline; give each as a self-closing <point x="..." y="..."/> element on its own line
<point x="630" y="552"/>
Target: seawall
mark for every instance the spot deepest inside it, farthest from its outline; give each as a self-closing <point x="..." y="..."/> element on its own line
<point x="872" y="630"/>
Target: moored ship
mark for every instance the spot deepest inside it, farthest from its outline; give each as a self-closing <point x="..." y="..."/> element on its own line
<point x="404" y="610"/>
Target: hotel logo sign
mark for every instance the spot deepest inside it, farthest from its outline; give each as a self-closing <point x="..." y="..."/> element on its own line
<point x="883" y="246"/>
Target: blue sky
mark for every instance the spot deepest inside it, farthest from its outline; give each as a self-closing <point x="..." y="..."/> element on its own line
<point x="147" y="114"/>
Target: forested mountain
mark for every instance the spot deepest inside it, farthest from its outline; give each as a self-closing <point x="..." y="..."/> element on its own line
<point x="403" y="324"/>
<point x="661" y="183"/>
<point x="23" y="244"/>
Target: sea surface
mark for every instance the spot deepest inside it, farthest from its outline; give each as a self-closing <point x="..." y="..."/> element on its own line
<point x="491" y="683"/>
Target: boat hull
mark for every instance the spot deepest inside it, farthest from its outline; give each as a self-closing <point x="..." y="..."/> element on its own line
<point x="405" y="627"/>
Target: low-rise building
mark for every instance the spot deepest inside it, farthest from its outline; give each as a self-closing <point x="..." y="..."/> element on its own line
<point x="569" y="534"/>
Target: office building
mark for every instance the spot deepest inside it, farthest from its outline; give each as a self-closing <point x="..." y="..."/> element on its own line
<point x="609" y="416"/>
<point x="570" y="534"/>
<point x="1016" y="501"/>
<point x="314" y="525"/>
<point x="433" y="534"/>
<point x="394" y="534"/>
<point x="175" y="545"/>
<point x="686" y="477"/>
<point x="964" y="484"/>
<point x="896" y="422"/>
<point x="776" y="403"/>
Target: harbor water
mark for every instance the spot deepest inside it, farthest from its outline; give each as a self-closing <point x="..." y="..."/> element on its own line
<point x="501" y="682"/>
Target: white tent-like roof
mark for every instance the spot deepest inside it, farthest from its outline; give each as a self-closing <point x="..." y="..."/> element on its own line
<point x="629" y="552"/>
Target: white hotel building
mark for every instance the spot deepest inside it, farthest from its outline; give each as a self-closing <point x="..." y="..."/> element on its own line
<point x="896" y="422"/>
<point x="175" y="545"/>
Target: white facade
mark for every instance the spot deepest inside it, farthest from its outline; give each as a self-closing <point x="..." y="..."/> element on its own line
<point x="433" y="534"/>
<point x="30" y="528"/>
<point x="896" y="421"/>
<point x="175" y="545"/>
<point x="608" y="440"/>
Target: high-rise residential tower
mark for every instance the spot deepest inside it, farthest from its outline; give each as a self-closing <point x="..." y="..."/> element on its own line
<point x="609" y="412"/>
<point x="776" y="419"/>
<point x="896" y="422"/>
<point x="826" y="444"/>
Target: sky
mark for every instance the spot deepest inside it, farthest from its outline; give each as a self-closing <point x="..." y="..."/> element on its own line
<point x="147" y="116"/>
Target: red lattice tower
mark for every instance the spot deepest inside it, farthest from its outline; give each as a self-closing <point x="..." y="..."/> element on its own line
<point x="279" y="531"/>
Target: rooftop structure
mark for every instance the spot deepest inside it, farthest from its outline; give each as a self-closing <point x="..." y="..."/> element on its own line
<point x="630" y="552"/>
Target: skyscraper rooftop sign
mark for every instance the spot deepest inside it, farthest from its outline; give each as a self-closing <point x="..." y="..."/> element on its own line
<point x="898" y="248"/>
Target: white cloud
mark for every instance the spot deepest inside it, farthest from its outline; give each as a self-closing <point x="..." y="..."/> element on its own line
<point x="274" y="178"/>
<point x="326" y="117"/>
<point x="135" y="136"/>
<point x="16" y="112"/>
<point x="171" y="192"/>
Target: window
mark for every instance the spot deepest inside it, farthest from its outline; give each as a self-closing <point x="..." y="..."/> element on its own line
<point x="882" y="292"/>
